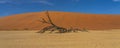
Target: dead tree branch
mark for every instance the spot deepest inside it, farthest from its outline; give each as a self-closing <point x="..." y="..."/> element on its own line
<point x="53" y="27"/>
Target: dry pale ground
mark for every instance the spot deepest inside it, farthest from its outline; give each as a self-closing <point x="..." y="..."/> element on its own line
<point x="30" y="39"/>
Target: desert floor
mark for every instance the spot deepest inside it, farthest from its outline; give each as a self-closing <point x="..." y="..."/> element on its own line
<point x="30" y="39"/>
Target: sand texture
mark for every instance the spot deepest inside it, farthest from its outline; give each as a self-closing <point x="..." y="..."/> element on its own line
<point x="30" y="39"/>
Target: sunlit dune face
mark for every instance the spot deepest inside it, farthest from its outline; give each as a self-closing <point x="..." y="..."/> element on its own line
<point x="63" y="19"/>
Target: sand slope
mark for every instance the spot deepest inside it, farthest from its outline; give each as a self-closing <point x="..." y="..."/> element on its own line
<point x="30" y="39"/>
<point x="64" y="19"/>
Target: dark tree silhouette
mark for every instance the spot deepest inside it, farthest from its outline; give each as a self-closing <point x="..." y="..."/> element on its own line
<point x="52" y="27"/>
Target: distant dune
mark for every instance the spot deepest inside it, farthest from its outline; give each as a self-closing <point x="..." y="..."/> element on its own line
<point x="63" y="19"/>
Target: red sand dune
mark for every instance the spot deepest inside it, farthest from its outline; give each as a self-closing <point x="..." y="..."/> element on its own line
<point x="63" y="19"/>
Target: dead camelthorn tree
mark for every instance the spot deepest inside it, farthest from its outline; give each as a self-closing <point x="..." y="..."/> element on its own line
<point x="52" y="27"/>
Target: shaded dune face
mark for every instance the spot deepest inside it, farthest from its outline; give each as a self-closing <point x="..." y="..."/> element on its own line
<point x="64" y="19"/>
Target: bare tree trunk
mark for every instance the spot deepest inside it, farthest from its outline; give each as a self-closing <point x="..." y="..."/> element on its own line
<point x="53" y="27"/>
<point x="51" y="22"/>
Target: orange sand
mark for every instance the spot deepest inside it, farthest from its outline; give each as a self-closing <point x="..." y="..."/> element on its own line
<point x="63" y="19"/>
